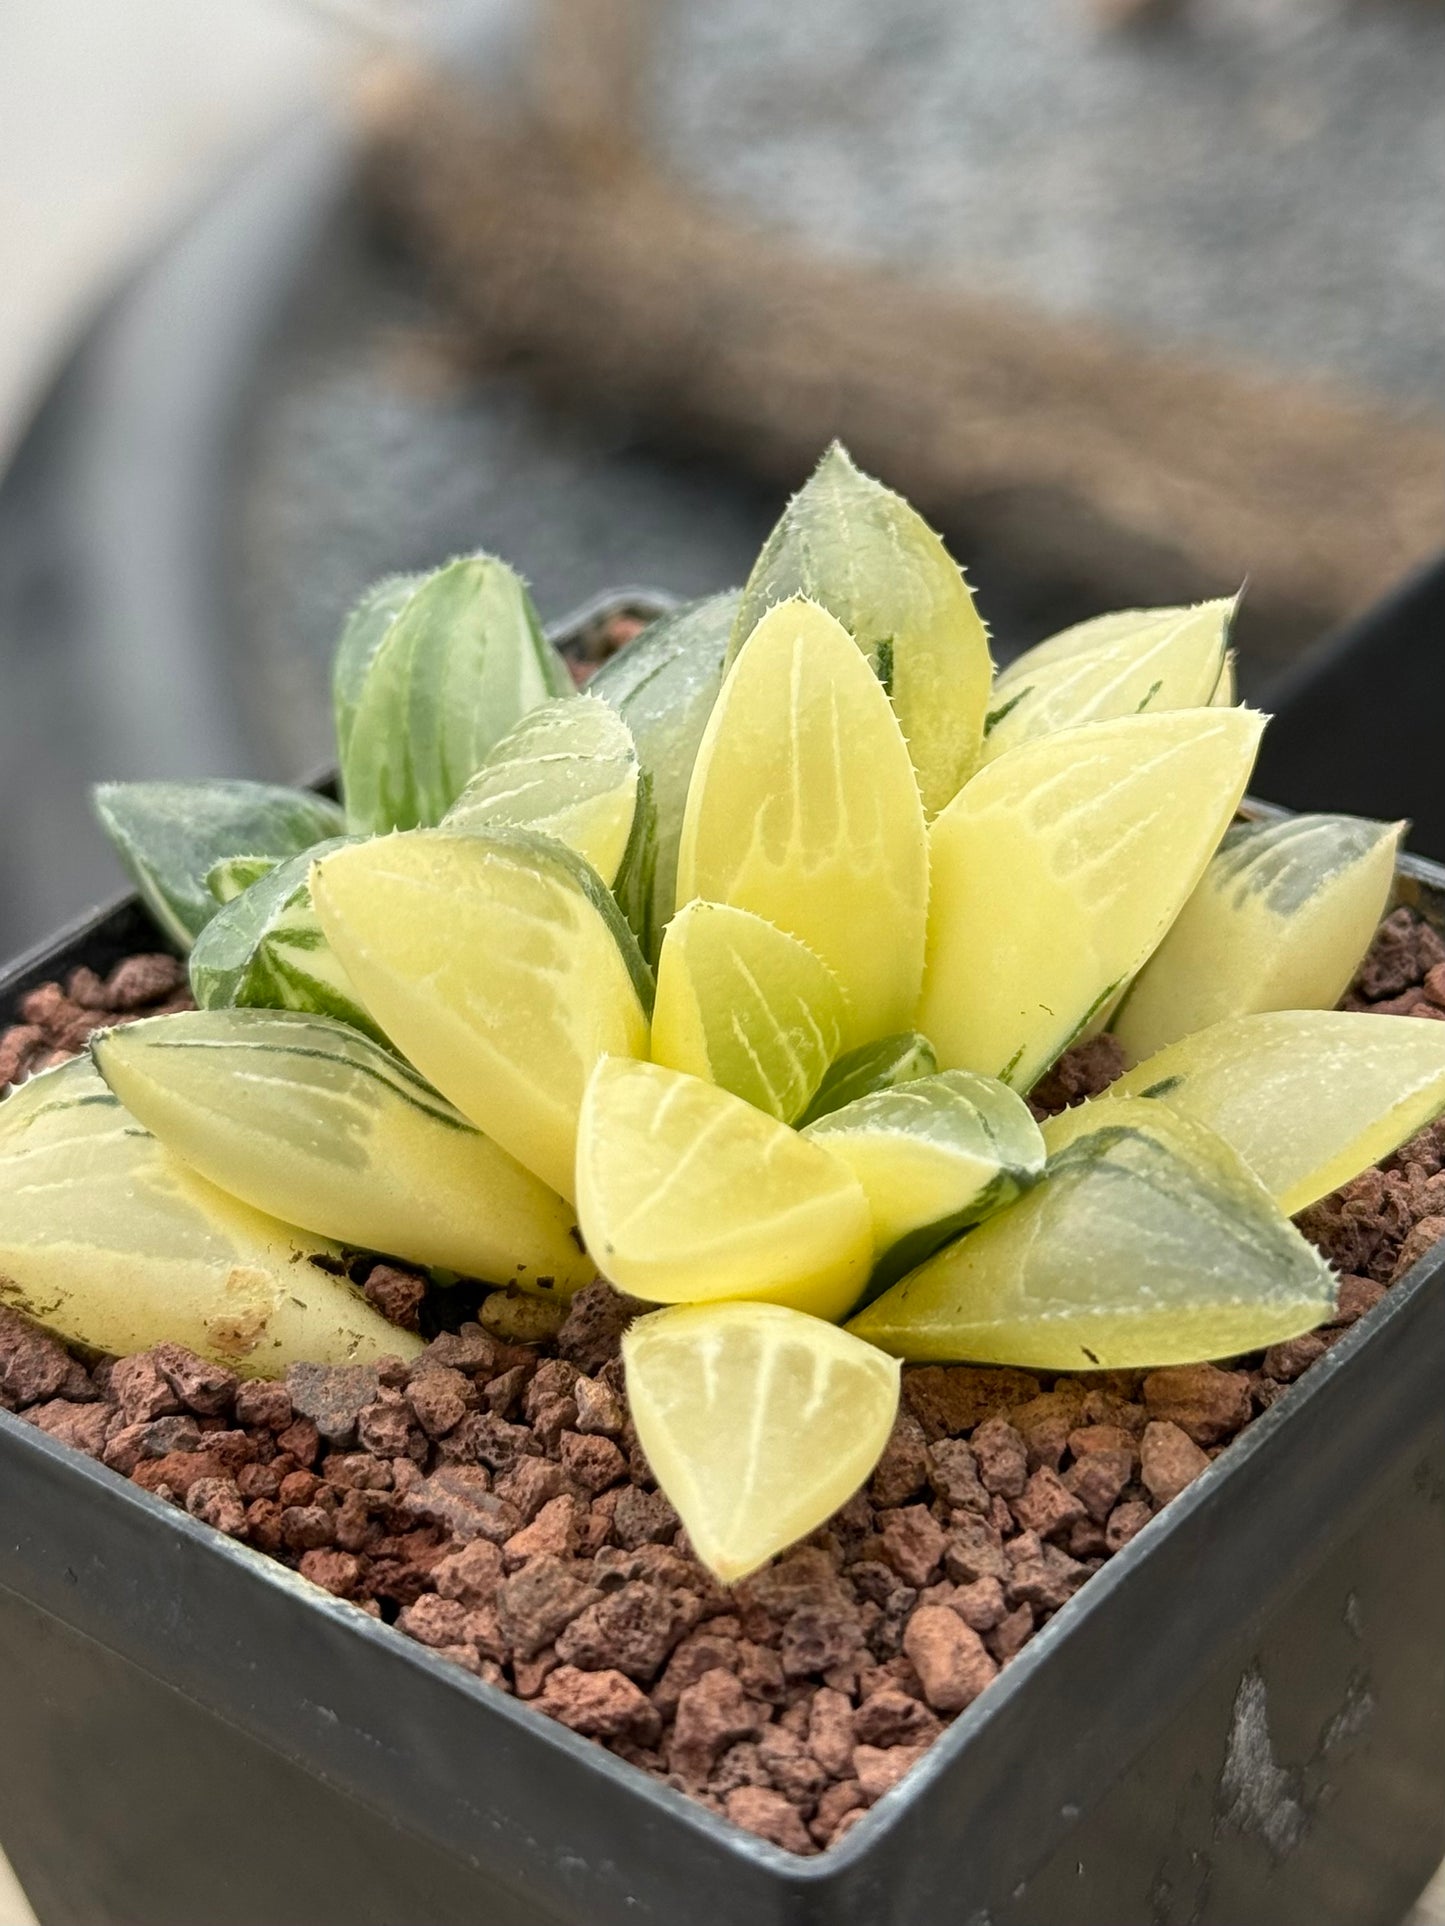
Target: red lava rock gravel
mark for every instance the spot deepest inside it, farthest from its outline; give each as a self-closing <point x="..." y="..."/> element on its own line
<point x="57" y="1020"/>
<point x="490" y="1499"/>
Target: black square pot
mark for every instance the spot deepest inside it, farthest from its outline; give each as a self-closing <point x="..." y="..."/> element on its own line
<point x="1240" y="1721"/>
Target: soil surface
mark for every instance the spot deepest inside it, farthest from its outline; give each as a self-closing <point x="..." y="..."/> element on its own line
<point x="491" y="1500"/>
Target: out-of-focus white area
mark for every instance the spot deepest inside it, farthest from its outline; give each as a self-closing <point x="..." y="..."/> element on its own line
<point x="113" y="115"/>
<point x="14" y="1910"/>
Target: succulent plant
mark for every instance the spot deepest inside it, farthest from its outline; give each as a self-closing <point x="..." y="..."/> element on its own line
<point x="730" y="978"/>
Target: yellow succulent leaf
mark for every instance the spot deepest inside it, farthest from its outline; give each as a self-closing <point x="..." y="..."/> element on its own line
<point x="933" y="1156"/>
<point x="499" y="966"/>
<point x="568" y="770"/>
<point x="803" y="809"/>
<point x="861" y="552"/>
<point x="1137" y="661"/>
<point x="303" y="1117"/>
<point x="687" y="1193"/>
<point x="1058" y="869"/>
<point x="1308" y="1098"/>
<point x="1148" y="1242"/>
<point x="1279" y="921"/>
<point x="111" y="1242"/>
<point x="758" y="1423"/>
<point x="745" y="1006"/>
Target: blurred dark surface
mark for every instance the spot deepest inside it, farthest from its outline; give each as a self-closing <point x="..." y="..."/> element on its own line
<point x="278" y="409"/>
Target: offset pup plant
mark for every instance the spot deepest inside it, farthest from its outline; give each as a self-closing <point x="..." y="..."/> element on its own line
<point x="729" y="979"/>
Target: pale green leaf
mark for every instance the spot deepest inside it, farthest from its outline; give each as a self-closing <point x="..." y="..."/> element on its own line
<point x="265" y="950"/>
<point x="111" y="1242"/>
<point x="171" y="835"/>
<point x="852" y="545"/>
<point x="365" y="631"/>
<point x="1279" y="921"/>
<point x="304" y="1118"/>
<point x="461" y="663"/>
<point x="567" y="770"/>
<point x="1148" y="1243"/>
<point x="664" y="685"/>
<point x="872" y="1066"/>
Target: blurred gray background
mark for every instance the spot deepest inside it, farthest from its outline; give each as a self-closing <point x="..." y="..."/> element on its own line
<point x="1259" y="181"/>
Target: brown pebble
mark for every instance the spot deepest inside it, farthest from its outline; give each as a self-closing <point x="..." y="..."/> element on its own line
<point x="1003" y="1459"/>
<point x="141" y="1389"/>
<point x="139" y="980"/>
<point x="1009" y="1637"/>
<point x="830" y="1731"/>
<point x="1355" y="1296"/>
<point x="1201" y="1399"/>
<point x="913" y="1543"/>
<point x="602" y="1705"/>
<point x="599" y="1409"/>
<point x="980" y="1604"/>
<point x="307" y="1527"/>
<point x="1291" y="1359"/>
<point x="470" y="1575"/>
<point x="217" y="1502"/>
<point x="712" y="1714"/>
<point x="974" y="1550"/>
<point x="537" y="1602"/>
<point x="1047" y="1505"/>
<point x="81" y="1426"/>
<point x="768" y="1814"/>
<point x="337" y="1572"/>
<point x="397" y="1294"/>
<point x="948" y="1399"/>
<point x="459" y="1498"/>
<point x="891" y="1716"/>
<point x="553" y="1532"/>
<point x="879" y="1768"/>
<point x="948" y="1656"/>
<point x="200" y="1385"/>
<point x="595" y="1462"/>
<point x="1126" y="1521"/>
<point x="332" y="1396"/>
<point x="264" y="1403"/>
<point x="837" y="1806"/>
<point x="439" y="1399"/>
<point x="1040" y="1574"/>
<point x="1098" y="1477"/>
<point x="1170" y="1460"/>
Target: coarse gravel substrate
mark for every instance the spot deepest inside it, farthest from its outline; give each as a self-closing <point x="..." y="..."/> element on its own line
<point x="491" y="1500"/>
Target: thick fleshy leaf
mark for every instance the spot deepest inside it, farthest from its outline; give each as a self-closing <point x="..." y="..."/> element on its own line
<point x="933" y="1156"/>
<point x="111" y="1242"/>
<point x="171" y="835"/>
<point x="745" y="1006"/>
<point x="687" y="1194"/>
<point x="568" y="770"/>
<point x="500" y="966"/>
<point x="362" y="636"/>
<point x="1058" y="869"/>
<point x="859" y="551"/>
<point x="265" y="949"/>
<point x="459" y="665"/>
<point x="234" y="875"/>
<point x="664" y="685"/>
<point x="872" y="1066"/>
<point x="803" y="809"/>
<point x="1279" y="921"/>
<point x="757" y="1422"/>
<point x="301" y="1117"/>
<point x="1148" y="1242"/>
<point x="1117" y="665"/>
<point x="1308" y="1098"/>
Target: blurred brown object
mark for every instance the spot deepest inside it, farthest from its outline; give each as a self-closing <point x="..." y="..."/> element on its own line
<point x="1108" y="471"/>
